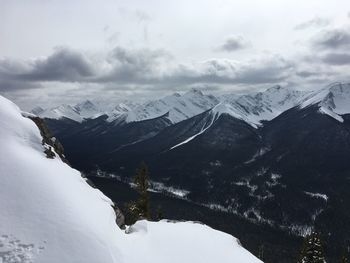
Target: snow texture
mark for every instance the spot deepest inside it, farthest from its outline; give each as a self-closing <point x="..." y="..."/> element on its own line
<point x="334" y="100"/>
<point x="257" y="107"/>
<point x="48" y="213"/>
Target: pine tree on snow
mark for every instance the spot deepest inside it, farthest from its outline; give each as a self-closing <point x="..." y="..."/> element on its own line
<point x="344" y="258"/>
<point x="312" y="251"/>
<point x="140" y="209"/>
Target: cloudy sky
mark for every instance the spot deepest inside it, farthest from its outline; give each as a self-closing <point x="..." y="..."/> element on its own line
<point x="62" y="51"/>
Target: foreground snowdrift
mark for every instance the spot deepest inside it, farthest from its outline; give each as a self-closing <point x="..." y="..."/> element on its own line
<point x="48" y="213"/>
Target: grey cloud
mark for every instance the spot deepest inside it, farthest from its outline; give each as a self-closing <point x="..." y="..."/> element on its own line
<point x="130" y="65"/>
<point x="151" y="69"/>
<point x="315" y="22"/>
<point x="14" y="85"/>
<point x="306" y="73"/>
<point x="333" y="39"/>
<point x="223" y="71"/>
<point x="337" y="59"/>
<point x="63" y="65"/>
<point x="234" y="43"/>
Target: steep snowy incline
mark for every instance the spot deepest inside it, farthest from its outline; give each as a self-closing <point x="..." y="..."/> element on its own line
<point x="333" y="100"/>
<point x="48" y="213"/>
<point x="47" y="205"/>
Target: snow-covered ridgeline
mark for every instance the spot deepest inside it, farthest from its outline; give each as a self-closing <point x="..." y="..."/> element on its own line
<point x="50" y="214"/>
<point x="333" y="100"/>
<point x="252" y="108"/>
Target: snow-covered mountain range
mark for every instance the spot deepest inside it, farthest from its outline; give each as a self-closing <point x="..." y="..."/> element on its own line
<point x="252" y="108"/>
<point x="50" y="214"/>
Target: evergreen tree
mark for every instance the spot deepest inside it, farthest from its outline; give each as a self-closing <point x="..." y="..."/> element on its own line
<point x="312" y="251"/>
<point x="140" y="208"/>
<point x="344" y="258"/>
<point x="261" y="253"/>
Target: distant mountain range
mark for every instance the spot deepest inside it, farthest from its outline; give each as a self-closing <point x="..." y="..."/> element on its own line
<point x="278" y="157"/>
<point x="253" y="107"/>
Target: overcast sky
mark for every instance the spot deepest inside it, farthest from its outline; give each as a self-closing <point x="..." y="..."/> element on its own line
<point x="64" y="51"/>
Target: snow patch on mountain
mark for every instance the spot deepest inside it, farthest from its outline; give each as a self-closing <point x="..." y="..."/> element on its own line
<point x="317" y="195"/>
<point x="205" y="127"/>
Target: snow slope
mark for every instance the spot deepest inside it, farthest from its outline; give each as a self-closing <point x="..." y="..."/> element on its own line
<point x="48" y="213"/>
<point x="184" y="242"/>
<point x="87" y="109"/>
<point x="79" y="112"/>
<point x="333" y="100"/>
<point x="179" y="107"/>
<point x="266" y="105"/>
<point x="59" y="112"/>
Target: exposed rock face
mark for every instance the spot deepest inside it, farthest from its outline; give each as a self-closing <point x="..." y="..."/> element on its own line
<point x="49" y="139"/>
<point x="120" y="218"/>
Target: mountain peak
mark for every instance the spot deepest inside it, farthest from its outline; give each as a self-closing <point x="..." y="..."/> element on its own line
<point x="275" y="88"/>
<point x="194" y="91"/>
<point x="87" y="104"/>
<point x="234" y="111"/>
<point x="37" y="110"/>
<point x="333" y="100"/>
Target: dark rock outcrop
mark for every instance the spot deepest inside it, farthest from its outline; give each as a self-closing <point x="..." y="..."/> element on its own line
<point x="49" y="140"/>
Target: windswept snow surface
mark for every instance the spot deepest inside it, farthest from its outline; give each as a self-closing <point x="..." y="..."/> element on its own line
<point x="49" y="214"/>
<point x="184" y="242"/>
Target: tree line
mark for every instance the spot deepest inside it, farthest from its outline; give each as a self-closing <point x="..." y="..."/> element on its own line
<point x="311" y="250"/>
